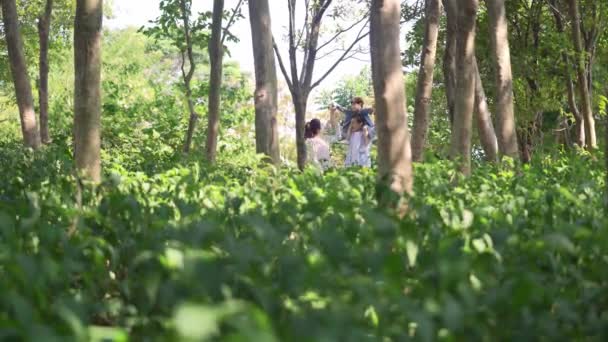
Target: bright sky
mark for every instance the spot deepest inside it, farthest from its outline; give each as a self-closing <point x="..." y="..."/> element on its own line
<point x="139" y="12"/>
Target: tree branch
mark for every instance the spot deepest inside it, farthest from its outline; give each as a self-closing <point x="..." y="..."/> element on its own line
<point x="282" y="65"/>
<point x="360" y="36"/>
<point x="236" y="9"/>
<point x="340" y="32"/>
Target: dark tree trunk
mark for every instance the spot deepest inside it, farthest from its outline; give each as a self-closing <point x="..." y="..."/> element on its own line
<point x="449" y="58"/>
<point x="465" y="89"/>
<point x="266" y="129"/>
<point x="23" y="88"/>
<point x="300" y="105"/>
<point x="216" y="54"/>
<point x="422" y="107"/>
<point x="394" y="151"/>
<point x="87" y="88"/>
<point x="44" y="24"/>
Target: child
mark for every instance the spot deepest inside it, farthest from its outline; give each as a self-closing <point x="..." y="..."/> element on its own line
<point x="356" y="107"/>
<point x="317" y="150"/>
<point x="359" y="141"/>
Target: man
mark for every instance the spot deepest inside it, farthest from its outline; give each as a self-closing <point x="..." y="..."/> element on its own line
<point x="356" y="106"/>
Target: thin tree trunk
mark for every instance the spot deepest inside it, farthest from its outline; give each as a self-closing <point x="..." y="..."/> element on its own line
<point x="487" y="135"/>
<point x="266" y="129"/>
<point x="579" y="124"/>
<point x="449" y="58"/>
<point x="216" y="54"/>
<point x="465" y="86"/>
<point x="87" y="88"/>
<point x="300" y="105"/>
<point x="44" y="24"/>
<point x="394" y="150"/>
<point x="505" y="113"/>
<point x="23" y="88"/>
<point x="424" y="90"/>
<point x="591" y="140"/>
<point x="187" y="76"/>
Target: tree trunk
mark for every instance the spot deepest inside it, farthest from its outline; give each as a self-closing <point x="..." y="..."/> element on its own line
<point x="266" y="130"/>
<point x="449" y="57"/>
<point x="187" y="76"/>
<point x="300" y="105"/>
<point x="505" y="113"/>
<point x="591" y="141"/>
<point x="44" y="24"/>
<point x="487" y="135"/>
<point x="394" y="150"/>
<point x="579" y="125"/>
<point x="87" y="87"/>
<point x="216" y="54"/>
<point x="23" y="88"/>
<point x="465" y="86"/>
<point x="424" y="90"/>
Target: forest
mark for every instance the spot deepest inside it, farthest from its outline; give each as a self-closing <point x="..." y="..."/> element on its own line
<point x="152" y="188"/>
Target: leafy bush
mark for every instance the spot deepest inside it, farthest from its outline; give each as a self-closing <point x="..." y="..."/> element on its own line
<point x="247" y="252"/>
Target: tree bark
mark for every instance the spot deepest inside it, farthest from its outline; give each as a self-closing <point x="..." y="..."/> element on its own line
<point x="505" y="113"/>
<point x="591" y="140"/>
<point x="44" y="24"/>
<point x="187" y="76"/>
<point x="465" y="86"/>
<point x="266" y="128"/>
<point x="579" y="124"/>
<point x="23" y="88"/>
<point x="300" y="106"/>
<point x="216" y="54"/>
<point x="424" y="90"/>
<point x="394" y="150"/>
<point x="487" y="135"/>
<point x="87" y="88"/>
<point x="449" y="57"/>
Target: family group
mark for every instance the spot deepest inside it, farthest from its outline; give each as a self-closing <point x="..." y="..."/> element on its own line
<point x="356" y="129"/>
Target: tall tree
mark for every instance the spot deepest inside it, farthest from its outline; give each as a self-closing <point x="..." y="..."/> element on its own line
<point x="422" y="107"/>
<point x="579" y="121"/>
<point x="87" y="87"/>
<point x="216" y="57"/>
<point x="487" y="134"/>
<point x="465" y="85"/>
<point x="591" y="140"/>
<point x="300" y="80"/>
<point x="266" y="124"/>
<point x="505" y="112"/>
<point x="23" y="88"/>
<point x="394" y="150"/>
<point x="44" y="24"/>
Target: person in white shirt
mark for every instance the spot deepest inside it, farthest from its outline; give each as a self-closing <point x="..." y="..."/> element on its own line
<point x="359" y="142"/>
<point x="317" y="150"/>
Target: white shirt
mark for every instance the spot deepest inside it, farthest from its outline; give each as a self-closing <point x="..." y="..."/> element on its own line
<point x="358" y="151"/>
<point x="317" y="153"/>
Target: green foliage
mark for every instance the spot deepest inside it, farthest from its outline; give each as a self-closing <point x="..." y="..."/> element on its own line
<point x="347" y="88"/>
<point x="242" y="252"/>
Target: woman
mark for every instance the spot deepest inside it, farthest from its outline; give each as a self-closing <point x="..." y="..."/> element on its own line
<point x="317" y="150"/>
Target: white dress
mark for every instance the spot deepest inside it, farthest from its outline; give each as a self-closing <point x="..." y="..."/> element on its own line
<point x="317" y="153"/>
<point x="358" y="151"/>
